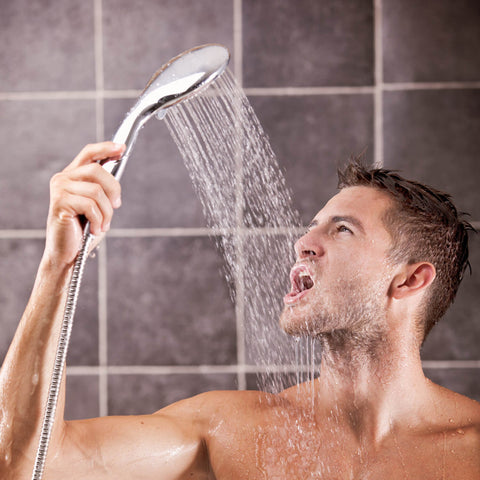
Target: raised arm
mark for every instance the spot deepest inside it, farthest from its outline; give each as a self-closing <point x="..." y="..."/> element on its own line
<point x="85" y="189"/>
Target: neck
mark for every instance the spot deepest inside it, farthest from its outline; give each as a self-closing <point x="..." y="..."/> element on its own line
<point x="370" y="381"/>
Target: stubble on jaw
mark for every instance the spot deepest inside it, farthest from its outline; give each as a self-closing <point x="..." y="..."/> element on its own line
<point x="350" y="312"/>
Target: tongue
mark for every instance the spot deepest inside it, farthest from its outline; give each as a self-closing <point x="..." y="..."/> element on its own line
<point x="305" y="283"/>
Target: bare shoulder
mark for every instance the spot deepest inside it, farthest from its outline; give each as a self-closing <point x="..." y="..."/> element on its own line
<point x="223" y="403"/>
<point x="458" y="409"/>
<point x="218" y="415"/>
<point x="458" y="417"/>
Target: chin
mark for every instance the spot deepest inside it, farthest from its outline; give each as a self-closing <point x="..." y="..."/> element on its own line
<point x="303" y="320"/>
<point x="289" y="322"/>
<point x="297" y="323"/>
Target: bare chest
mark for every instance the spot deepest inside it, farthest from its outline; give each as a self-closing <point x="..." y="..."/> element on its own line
<point x="284" y="454"/>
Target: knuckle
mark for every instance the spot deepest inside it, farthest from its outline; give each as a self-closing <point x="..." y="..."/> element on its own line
<point x="55" y="178"/>
<point x="96" y="170"/>
<point x="56" y="181"/>
<point x="91" y="209"/>
<point x="97" y="191"/>
<point x="91" y="167"/>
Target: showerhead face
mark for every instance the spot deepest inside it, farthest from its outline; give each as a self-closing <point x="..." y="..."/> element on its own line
<point x="175" y="81"/>
<point x="185" y="74"/>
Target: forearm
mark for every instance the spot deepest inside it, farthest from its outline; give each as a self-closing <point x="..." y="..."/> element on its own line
<point x="27" y="368"/>
<point x="82" y="190"/>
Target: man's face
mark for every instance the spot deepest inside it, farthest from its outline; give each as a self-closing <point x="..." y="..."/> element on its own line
<point x="342" y="274"/>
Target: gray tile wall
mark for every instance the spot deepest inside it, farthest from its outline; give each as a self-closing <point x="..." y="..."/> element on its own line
<point x="327" y="78"/>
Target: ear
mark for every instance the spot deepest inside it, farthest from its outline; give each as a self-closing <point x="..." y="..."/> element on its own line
<point x="413" y="279"/>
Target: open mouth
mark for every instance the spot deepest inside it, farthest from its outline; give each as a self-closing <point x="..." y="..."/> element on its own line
<point x="301" y="281"/>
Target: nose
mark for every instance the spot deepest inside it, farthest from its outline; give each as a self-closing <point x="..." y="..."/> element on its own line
<point x="308" y="246"/>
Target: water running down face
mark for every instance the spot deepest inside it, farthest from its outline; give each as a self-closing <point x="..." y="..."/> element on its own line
<point x="342" y="274"/>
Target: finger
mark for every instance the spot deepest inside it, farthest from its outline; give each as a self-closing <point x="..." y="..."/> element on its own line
<point x="94" y="152"/>
<point x="94" y="192"/>
<point x="74" y="205"/>
<point x="98" y="209"/>
<point x="95" y="174"/>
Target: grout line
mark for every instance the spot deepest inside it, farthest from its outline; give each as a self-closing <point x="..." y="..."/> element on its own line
<point x="19" y="234"/>
<point x="99" y="78"/>
<point x="431" y="86"/>
<point x="102" y="252"/>
<point x="239" y="221"/>
<point x="238" y="41"/>
<point x="439" y="364"/>
<point x="99" y="115"/>
<point x="254" y="91"/>
<point x="152" y="369"/>
<point x="168" y="232"/>
<point x="217" y="369"/>
<point x="202" y="232"/>
<point x="57" y="95"/>
<point x="121" y="93"/>
<point x="171" y="370"/>
<point x="12" y="234"/>
<point x="378" y="95"/>
<point x="299" y="91"/>
<point x="71" y="95"/>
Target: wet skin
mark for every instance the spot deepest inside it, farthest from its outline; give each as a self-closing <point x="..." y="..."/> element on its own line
<point x="370" y="415"/>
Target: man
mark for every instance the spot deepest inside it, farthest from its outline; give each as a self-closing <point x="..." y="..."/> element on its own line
<point x="378" y="266"/>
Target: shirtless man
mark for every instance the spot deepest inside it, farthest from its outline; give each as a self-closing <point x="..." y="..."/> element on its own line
<point x="363" y="283"/>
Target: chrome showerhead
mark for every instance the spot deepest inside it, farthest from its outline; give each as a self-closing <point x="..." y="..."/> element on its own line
<point x="175" y="81"/>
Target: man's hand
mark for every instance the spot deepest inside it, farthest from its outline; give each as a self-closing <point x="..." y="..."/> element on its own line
<point x="82" y="188"/>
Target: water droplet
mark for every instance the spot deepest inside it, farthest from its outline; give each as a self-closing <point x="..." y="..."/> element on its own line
<point x="161" y="114"/>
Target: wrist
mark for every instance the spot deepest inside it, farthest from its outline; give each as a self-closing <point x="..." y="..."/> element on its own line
<point x="54" y="269"/>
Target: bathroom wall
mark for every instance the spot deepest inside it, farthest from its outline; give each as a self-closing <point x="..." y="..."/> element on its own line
<point x="327" y="78"/>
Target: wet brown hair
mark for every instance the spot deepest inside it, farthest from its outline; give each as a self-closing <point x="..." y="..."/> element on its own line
<point x="425" y="226"/>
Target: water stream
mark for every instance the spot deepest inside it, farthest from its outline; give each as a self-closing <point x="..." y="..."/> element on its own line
<point x="246" y="201"/>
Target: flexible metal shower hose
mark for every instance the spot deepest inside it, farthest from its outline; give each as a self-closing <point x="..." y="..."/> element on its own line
<point x="61" y="355"/>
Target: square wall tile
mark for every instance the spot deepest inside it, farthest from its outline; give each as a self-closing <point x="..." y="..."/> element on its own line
<point x="432" y="137"/>
<point x="307" y="43"/>
<point x="156" y="187"/>
<point x="461" y="380"/>
<point x="168" y="303"/>
<point x="145" y="394"/>
<point x="47" y="46"/>
<point x="139" y="39"/>
<point x="431" y="40"/>
<point x="81" y="399"/>
<point x="457" y="336"/>
<point x="19" y="260"/>
<point x="39" y="138"/>
<point x="312" y="136"/>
